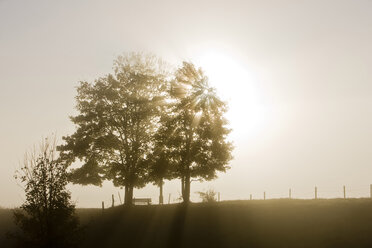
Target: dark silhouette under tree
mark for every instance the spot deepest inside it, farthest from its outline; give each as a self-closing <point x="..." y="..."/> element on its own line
<point x="47" y="218"/>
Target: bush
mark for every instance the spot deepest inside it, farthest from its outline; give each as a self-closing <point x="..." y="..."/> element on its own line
<point x="208" y="196"/>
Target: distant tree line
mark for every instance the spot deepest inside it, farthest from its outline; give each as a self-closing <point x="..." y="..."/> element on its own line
<point x="145" y="124"/>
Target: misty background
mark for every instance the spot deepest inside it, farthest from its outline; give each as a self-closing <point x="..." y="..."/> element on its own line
<point x="300" y="99"/>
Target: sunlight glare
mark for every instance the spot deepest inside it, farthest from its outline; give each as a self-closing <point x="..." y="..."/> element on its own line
<point x="236" y="85"/>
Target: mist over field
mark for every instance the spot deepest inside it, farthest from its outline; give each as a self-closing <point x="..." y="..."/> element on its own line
<point x="185" y="123"/>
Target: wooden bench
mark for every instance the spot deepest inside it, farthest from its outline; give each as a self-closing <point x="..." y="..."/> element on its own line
<point x="142" y="201"/>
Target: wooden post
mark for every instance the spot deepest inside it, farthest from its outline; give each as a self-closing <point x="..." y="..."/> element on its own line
<point x="344" y="192"/>
<point x="264" y="195"/>
<point x="218" y="196"/>
<point x="119" y="197"/>
<point x="250" y="197"/>
<point x="290" y="193"/>
<point x="113" y="200"/>
<point x="169" y="199"/>
<point x="370" y="190"/>
<point x="103" y="206"/>
<point x="316" y="193"/>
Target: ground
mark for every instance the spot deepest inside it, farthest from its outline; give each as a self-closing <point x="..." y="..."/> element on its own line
<point x="271" y="223"/>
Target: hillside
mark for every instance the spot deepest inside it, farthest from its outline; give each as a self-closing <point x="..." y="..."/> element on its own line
<point x="271" y="223"/>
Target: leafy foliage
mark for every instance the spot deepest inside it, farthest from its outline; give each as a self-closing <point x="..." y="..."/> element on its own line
<point x="136" y="127"/>
<point x="119" y="115"/>
<point x="198" y="140"/>
<point x="208" y="196"/>
<point x="47" y="218"/>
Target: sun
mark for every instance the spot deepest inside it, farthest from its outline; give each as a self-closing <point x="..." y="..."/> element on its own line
<point x="238" y="86"/>
<point x="222" y="70"/>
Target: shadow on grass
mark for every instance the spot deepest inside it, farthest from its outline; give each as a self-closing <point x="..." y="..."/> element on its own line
<point x="271" y="223"/>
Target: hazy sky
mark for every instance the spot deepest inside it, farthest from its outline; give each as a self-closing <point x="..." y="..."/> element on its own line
<point x="297" y="75"/>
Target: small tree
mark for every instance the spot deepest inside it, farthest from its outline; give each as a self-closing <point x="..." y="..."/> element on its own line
<point x="46" y="219"/>
<point x="160" y="167"/>
<point x="158" y="171"/>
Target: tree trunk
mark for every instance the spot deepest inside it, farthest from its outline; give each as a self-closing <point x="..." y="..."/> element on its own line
<point x="128" y="198"/>
<point x="131" y="195"/>
<point x="183" y="187"/>
<point x="126" y="195"/>
<point x="186" y="196"/>
<point x="161" y="191"/>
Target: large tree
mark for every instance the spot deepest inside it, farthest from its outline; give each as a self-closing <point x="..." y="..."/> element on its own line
<point x="118" y="118"/>
<point x="198" y="144"/>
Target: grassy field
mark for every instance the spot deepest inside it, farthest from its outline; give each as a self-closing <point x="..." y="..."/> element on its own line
<point x="271" y="223"/>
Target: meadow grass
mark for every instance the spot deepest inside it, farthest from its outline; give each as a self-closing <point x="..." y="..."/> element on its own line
<point x="257" y="223"/>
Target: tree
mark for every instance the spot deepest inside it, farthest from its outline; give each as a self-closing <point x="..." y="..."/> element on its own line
<point x="159" y="171"/>
<point x="160" y="167"/>
<point x="47" y="218"/>
<point x="118" y="118"/>
<point x="198" y="138"/>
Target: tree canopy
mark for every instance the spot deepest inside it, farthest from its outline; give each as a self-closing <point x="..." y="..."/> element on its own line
<point x="143" y="124"/>
<point x="199" y="134"/>
<point x="118" y="117"/>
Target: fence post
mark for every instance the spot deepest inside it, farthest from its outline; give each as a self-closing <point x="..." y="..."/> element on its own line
<point x="218" y="196"/>
<point x="290" y="194"/>
<point x="250" y="197"/>
<point x="370" y="190"/>
<point x="264" y="195"/>
<point x="316" y="193"/>
<point x="113" y="200"/>
<point x="103" y="206"/>
<point x="169" y="199"/>
<point x="344" y="192"/>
